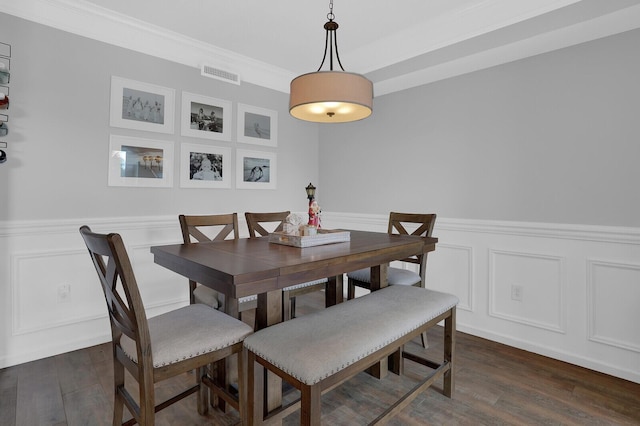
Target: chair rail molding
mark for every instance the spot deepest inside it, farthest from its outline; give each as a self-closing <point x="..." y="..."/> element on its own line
<point x="588" y="274"/>
<point x="577" y="282"/>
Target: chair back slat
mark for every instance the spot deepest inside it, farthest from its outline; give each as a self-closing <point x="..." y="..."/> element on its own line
<point x="191" y="227"/>
<point x="425" y="222"/>
<point x="124" y="303"/>
<point x="255" y="222"/>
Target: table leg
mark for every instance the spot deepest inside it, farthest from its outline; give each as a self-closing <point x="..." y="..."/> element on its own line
<point x="224" y="369"/>
<point x="269" y="312"/>
<point x="379" y="276"/>
<point x="334" y="291"/>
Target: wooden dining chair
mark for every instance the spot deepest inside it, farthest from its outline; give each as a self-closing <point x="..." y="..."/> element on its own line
<point x="255" y="222"/>
<point x="207" y="228"/>
<point x="399" y="276"/>
<point x="158" y="348"/>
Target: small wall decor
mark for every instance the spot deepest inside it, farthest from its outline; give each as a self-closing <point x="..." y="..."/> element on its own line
<point x="257" y="125"/>
<point x="205" y="117"/>
<point x="141" y="106"/>
<point x="4" y="126"/>
<point x="256" y="169"/>
<point x="205" y="166"/>
<point x="140" y="162"/>
<point x="5" y="65"/>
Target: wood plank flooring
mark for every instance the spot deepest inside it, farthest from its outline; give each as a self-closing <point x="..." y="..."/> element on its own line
<point x="495" y="385"/>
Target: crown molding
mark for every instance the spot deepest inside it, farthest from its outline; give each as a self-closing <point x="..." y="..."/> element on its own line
<point x="97" y="23"/>
<point x="603" y="26"/>
<point x="454" y="26"/>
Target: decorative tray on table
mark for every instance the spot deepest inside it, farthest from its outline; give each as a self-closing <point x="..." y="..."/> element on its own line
<point x="324" y="236"/>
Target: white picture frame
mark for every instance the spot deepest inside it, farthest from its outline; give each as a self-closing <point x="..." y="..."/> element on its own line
<point x="140" y="162"/>
<point x="256" y="169"/>
<point x="141" y="106"/>
<point x="205" y="166"/>
<point x="196" y="117"/>
<point x="257" y="125"/>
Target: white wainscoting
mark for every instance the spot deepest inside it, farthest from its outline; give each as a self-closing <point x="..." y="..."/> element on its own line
<point x="580" y="285"/>
<point x="51" y="300"/>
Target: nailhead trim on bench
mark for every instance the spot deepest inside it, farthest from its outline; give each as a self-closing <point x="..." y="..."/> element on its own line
<point x="318" y="345"/>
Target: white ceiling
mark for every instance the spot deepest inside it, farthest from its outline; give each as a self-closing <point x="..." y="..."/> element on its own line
<point x="397" y="45"/>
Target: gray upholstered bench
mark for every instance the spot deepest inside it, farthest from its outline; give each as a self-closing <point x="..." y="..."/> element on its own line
<point x="318" y="351"/>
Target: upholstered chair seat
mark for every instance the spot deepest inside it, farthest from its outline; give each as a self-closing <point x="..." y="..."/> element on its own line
<point x="395" y="276"/>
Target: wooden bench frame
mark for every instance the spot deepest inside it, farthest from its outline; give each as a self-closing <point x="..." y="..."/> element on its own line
<point x="310" y="400"/>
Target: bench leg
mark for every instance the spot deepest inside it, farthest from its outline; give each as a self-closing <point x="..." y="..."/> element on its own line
<point x="449" y="352"/>
<point x="311" y="403"/>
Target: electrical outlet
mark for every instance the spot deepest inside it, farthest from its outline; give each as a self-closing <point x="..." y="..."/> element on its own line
<point x="516" y="293"/>
<point x="64" y="293"/>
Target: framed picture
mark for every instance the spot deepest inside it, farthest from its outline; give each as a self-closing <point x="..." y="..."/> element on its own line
<point x="140" y="162"/>
<point x="257" y="125"/>
<point x="204" y="117"/>
<point x="204" y="166"/>
<point x="141" y="106"/>
<point x="255" y="169"/>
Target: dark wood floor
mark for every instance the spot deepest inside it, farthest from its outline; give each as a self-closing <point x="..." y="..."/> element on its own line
<point x="495" y="384"/>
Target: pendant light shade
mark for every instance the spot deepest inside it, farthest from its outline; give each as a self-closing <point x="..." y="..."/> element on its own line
<point x="331" y="96"/>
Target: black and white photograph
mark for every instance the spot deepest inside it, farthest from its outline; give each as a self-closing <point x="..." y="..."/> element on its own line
<point x="205" y="117"/>
<point x="255" y="170"/>
<point x="257" y="125"/>
<point x="204" y="166"/>
<point x="140" y="162"/>
<point x="141" y="106"/>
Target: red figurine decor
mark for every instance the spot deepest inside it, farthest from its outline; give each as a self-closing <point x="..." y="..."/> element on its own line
<point x="314" y="208"/>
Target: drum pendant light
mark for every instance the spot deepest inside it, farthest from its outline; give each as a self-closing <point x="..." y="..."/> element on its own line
<point x="331" y="96"/>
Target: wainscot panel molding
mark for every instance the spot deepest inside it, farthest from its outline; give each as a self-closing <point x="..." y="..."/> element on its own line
<point x="579" y="285"/>
<point x="614" y="286"/>
<point x="50" y="300"/>
<point x="511" y="272"/>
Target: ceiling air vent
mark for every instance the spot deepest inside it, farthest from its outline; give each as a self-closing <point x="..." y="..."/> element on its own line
<point x="217" y="73"/>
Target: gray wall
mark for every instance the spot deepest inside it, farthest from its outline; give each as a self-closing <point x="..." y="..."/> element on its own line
<point x="59" y="133"/>
<point x="552" y="138"/>
<point x="547" y="139"/>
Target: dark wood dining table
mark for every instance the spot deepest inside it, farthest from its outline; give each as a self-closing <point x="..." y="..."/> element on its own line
<point x="249" y="266"/>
